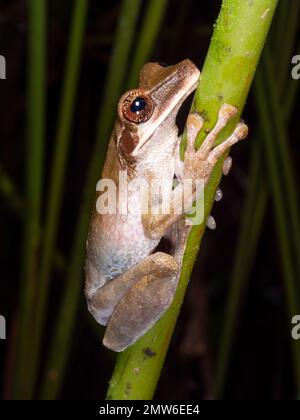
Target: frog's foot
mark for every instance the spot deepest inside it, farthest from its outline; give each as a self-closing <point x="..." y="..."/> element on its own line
<point x="142" y="305"/>
<point x="199" y="164"/>
<point x="132" y="302"/>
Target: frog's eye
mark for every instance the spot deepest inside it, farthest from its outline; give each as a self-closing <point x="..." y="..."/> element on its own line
<point x="137" y="107"/>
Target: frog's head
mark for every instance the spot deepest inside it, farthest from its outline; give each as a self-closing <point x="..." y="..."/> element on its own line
<point x="161" y="92"/>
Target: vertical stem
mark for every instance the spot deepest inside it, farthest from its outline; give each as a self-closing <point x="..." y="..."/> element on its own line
<point x="61" y="145"/>
<point x="253" y="215"/>
<point x="287" y="171"/>
<point x="277" y="118"/>
<point x="228" y="71"/>
<point x="280" y="214"/>
<point x="146" y="38"/>
<point x="60" y="345"/>
<point x="291" y="93"/>
<point x="278" y="30"/>
<point x="286" y="50"/>
<point x="9" y="191"/>
<point x="33" y="180"/>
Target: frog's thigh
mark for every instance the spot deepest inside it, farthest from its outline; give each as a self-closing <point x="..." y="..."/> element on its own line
<point x="105" y="299"/>
<point x="139" y="309"/>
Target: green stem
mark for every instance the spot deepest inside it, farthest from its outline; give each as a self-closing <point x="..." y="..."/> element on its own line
<point x="239" y="278"/>
<point x="177" y="28"/>
<point x="253" y="216"/>
<point x="61" y="145"/>
<point x="287" y="174"/>
<point x="242" y="265"/>
<point x="146" y="38"/>
<point x="10" y="193"/>
<point x="291" y="92"/>
<point x="280" y="213"/>
<point x="228" y="71"/>
<point x="34" y="177"/>
<point x="278" y="30"/>
<point x="61" y="341"/>
<point x="286" y="50"/>
<point x="15" y="201"/>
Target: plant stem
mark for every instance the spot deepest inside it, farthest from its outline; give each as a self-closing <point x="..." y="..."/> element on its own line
<point x="227" y="75"/>
<point x="61" y="340"/>
<point x="287" y="173"/>
<point x="280" y="214"/>
<point x="286" y="50"/>
<point x="34" y="177"/>
<point x="62" y="138"/>
<point x="253" y="216"/>
<point x="277" y="117"/>
<point x="291" y="94"/>
<point x="278" y="30"/>
<point x="146" y="39"/>
<point x="9" y="191"/>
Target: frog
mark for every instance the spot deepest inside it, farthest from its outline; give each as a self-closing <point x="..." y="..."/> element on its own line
<point x="134" y="259"/>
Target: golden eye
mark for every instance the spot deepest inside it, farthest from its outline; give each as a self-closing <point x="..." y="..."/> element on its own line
<point x="137" y="107"/>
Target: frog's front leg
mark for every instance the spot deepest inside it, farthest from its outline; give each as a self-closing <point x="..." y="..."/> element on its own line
<point x="197" y="165"/>
<point x="132" y="302"/>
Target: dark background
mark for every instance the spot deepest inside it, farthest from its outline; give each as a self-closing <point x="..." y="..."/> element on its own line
<point x="260" y="362"/>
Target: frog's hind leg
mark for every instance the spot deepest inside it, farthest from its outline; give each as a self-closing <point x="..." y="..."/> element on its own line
<point x="103" y="301"/>
<point x="148" y="299"/>
<point x="140" y="308"/>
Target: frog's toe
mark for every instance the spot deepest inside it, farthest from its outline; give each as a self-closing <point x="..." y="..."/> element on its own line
<point x="240" y="132"/>
<point x="226" y="113"/>
<point x="194" y="125"/>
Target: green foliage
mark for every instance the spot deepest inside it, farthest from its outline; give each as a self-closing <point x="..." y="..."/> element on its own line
<point x="34" y="174"/>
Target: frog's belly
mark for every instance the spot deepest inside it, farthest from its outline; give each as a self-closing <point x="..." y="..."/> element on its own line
<point x="115" y="244"/>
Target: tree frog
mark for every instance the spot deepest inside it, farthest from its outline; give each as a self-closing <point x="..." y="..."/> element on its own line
<point x="130" y="280"/>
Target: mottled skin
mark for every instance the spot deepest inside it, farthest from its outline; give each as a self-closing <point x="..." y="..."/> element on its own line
<point x="128" y="287"/>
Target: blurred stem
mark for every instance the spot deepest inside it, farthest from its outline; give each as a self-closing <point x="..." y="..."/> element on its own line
<point x="279" y="115"/>
<point x="286" y="166"/>
<point x="251" y="224"/>
<point x="61" y="146"/>
<point x="178" y="26"/>
<point x="291" y="93"/>
<point x="286" y="50"/>
<point x="146" y="38"/>
<point x="280" y="211"/>
<point x="278" y="30"/>
<point x="15" y="201"/>
<point x="34" y="177"/>
<point x="10" y="193"/>
<point x="60" y="345"/>
<point x="226" y="77"/>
